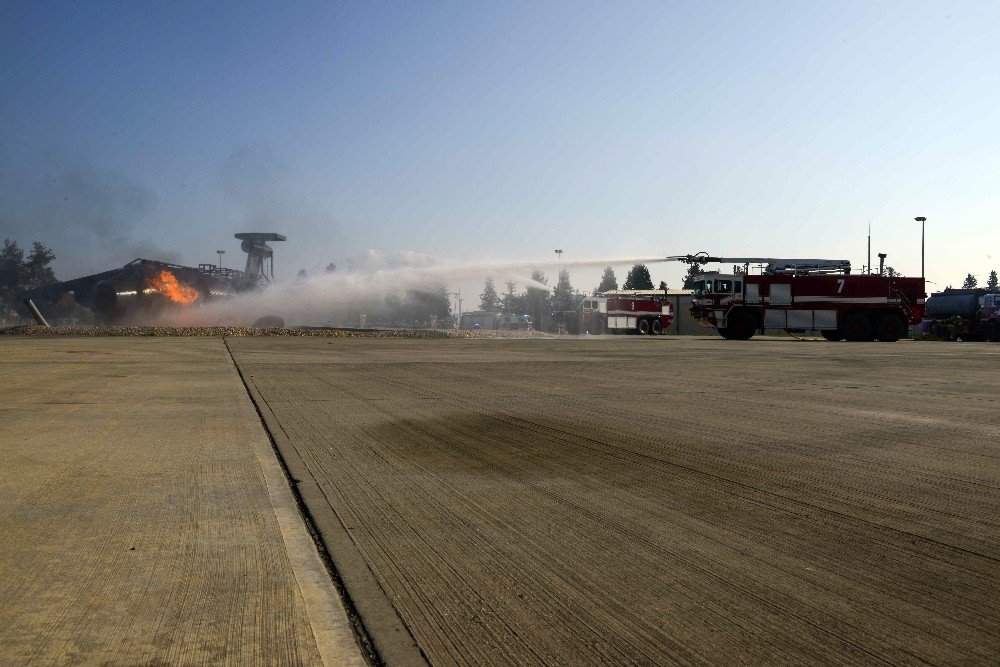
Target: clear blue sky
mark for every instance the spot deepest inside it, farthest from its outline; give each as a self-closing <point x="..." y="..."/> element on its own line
<point x="503" y="130"/>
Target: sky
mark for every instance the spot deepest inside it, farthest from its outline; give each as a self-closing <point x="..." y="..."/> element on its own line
<point x="501" y="131"/>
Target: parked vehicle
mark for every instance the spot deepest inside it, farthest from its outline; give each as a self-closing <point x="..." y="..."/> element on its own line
<point x="631" y="313"/>
<point x="967" y="314"/>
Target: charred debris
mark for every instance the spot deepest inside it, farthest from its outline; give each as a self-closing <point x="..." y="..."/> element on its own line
<point x="145" y="290"/>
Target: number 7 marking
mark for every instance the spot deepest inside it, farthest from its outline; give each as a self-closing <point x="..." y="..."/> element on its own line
<point x="840" y="289"/>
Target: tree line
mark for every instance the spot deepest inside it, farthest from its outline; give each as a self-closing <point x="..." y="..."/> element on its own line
<point x="563" y="297"/>
<point x="992" y="285"/>
<point x="550" y="307"/>
<point x="20" y="271"/>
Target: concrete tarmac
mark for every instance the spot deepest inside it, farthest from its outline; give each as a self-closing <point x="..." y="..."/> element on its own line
<point x="644" y="501"/>
<point x="627" y="500"/>
<point x="144" y="516"/>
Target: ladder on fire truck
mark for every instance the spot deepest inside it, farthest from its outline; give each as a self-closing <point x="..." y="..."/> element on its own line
<point x="904" y="303"/>
<point x="773" y="266"/>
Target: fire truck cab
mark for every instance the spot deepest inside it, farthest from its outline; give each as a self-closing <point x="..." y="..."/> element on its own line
<point x="800" y="295"/>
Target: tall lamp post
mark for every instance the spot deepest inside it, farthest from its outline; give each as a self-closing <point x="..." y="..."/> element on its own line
<point x="221" y="253"/>
<point x="458" y="298"/>
<point x="923" y="224"/>
<point x="558" y="256"/>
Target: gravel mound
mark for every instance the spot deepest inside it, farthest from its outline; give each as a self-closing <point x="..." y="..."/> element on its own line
<point x="320" y="332"/>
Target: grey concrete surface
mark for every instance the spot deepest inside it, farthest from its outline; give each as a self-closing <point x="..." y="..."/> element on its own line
<point x="144" y="518"/>
<point x="658" y="500"/>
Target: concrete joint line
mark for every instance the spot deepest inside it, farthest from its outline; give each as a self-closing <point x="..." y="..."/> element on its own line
<point x="325" y="609"/>
<point x="378" y="628"/>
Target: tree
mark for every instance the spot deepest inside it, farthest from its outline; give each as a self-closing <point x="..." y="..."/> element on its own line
<point x="538" y="302"/>
<point x="689" y="278"/>
<point x="638" y="278"/>
<point x="991" y="283"/>
<point x="562" y="295"/>
<point x="421" y="306"/>
<point x="11" y="272"/>
<point x="512" y="303"/>
<point x="891" y="272"/>
<point x="970" y="282"/>
<point x="37" y="271"/>
<point x="663" y="285"/>
<point x="18" y="274"/>
<point x="489" y="301"/>
<point x="608" y="281"/>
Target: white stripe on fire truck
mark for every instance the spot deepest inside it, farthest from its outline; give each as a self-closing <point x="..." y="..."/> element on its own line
<point x="633" y="313"/>
<point x="845" y="299"/>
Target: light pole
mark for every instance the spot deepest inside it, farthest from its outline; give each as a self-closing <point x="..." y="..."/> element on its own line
<point x="458" y="298"/>
<point x="923" y="224"/>
<point x="558" y="256"/>
<point x="221" y="253"/>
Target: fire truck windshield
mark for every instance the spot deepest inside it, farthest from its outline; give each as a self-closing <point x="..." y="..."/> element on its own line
<point x="702" y="287"/>
<point x="723" y="286"/>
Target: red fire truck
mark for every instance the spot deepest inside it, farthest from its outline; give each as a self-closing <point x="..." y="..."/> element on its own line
<point x="638" y="313"/>
<point x="805" y="294"/>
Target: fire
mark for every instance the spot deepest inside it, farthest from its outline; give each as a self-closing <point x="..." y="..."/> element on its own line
<point x="166" y="284"/>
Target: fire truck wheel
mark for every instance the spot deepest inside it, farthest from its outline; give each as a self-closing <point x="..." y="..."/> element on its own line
<point x="889" y="328"/>
<point x="657" y="328"/>
<point x="833" y="335"/>
<point x="642" y="327"/>
<point x="857" y="327"/>
<point x="741" y="326"/>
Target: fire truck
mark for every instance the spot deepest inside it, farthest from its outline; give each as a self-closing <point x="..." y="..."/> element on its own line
<point x="804" y="294"/>
<point x="637" y="312"/>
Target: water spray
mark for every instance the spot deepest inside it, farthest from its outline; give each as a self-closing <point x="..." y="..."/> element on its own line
<point x="374" y="276"/>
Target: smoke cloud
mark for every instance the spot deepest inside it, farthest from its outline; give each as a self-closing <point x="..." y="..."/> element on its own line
<point x="91" y="216"/>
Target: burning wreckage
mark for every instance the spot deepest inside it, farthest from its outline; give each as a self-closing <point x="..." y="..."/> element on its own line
<point x="146" y="291"/>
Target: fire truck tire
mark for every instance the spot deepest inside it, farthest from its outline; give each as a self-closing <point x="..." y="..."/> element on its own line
<point x="889" y="328"/>
<point x="857" y="327"/>
<point x="833" y="335"/>
<point x="657" y="328"/>
<point x="642" y="326"/>
<point x="741" y="326"/>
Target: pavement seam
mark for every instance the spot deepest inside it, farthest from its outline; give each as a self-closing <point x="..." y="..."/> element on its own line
<point x="328" y="619"/>
<point x="379" y="630"/>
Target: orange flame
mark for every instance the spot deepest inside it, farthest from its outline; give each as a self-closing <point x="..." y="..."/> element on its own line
<point x="166" y="284"/>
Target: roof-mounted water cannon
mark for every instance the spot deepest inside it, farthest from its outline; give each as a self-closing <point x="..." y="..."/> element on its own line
<point x="260" y="256"/>
<point x="773" y="266"/>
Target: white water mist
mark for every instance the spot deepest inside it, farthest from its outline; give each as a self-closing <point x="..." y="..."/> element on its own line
<point x="370" y="278"/>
